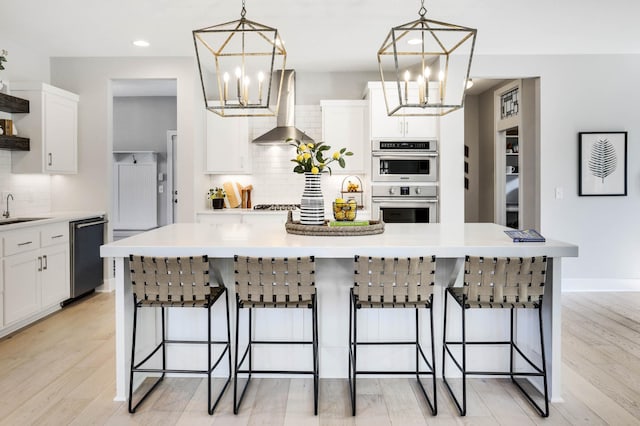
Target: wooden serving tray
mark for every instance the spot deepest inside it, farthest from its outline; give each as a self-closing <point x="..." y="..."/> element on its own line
<point x="295" y="227"/>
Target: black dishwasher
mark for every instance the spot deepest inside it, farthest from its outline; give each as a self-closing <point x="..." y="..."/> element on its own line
<point x="87" y="270"/>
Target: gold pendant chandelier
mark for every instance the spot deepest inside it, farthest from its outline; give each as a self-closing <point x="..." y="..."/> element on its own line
<point x="424" y="67"/>
<point x="236" y="62"/>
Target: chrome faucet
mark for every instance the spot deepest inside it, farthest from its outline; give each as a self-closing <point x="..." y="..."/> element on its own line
<point x="6" y="213"/>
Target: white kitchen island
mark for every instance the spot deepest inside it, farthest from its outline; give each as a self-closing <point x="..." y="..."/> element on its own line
<point x="334" y="277"/>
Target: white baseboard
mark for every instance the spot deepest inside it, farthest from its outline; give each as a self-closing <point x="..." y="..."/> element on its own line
<point x="600" y="284"/>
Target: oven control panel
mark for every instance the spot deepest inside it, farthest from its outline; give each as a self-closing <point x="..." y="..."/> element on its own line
<point x="393" y="190"/>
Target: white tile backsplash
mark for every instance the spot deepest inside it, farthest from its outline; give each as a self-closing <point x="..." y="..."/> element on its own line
<point x="31" y="192"/>
<point x="272" y="175"/>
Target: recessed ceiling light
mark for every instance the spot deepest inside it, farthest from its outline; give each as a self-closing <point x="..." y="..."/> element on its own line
<point x="141" y="43"/>
<point x="414" y="41"/>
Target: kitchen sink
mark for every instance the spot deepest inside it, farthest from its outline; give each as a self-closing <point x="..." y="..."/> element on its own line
<point x="11" y="221"/>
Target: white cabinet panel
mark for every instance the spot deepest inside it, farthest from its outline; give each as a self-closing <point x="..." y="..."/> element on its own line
<point x="52" y="127"/>
<point x="55" y="275"/>
<point x="384" y="126"/>
<point x="344" y="125"/>
<point x="136" y="198"/>
<point x="21" y="286"/>
<point x="60" y="134"/>
<point x="227" y="145"/>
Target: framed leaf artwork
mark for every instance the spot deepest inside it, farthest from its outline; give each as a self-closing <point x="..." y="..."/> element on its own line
<point x="602" y="166"/>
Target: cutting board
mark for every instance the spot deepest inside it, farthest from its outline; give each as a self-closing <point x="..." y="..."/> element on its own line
<point x="234" y="194"/>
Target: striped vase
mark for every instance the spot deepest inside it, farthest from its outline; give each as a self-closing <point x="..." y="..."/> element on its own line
<point x="312" y="203"/>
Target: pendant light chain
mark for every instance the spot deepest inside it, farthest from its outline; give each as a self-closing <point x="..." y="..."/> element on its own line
<point x="244" y="11"/>
<point x="422" y="11"/>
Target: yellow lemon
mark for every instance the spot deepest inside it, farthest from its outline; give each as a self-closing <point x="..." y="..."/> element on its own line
<point x="339" y="215"/>
<point x="336" y="155"/>
<point x="299" y="157"/>
<point x="302" y="148"/>
<point x="310" y="145"/>
<point x="351" y="215"/>
<point x="306" y="155"/>
<point x="315" y="170"/>
<point x="339" y="200"/>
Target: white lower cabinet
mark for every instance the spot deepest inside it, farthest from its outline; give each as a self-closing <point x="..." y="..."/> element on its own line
<point x="35" y="273"/>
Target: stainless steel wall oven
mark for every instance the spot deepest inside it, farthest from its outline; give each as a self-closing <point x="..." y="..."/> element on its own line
<point x="404" y="186"/>
<point x="405" y="203"/>
<point x="404" y="160"/>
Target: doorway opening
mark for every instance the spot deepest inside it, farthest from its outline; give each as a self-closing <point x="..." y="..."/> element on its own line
<point x="502" y="152"/>
<point x="144" y="133"/>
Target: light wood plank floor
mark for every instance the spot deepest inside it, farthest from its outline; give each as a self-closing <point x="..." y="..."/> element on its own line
<point x="61" y="371"/>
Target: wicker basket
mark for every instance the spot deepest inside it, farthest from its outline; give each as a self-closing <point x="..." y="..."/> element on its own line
<point x="294" y="227"/>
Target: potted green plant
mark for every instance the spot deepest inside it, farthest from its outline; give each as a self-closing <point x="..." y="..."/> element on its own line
<point x="216" y="195"/>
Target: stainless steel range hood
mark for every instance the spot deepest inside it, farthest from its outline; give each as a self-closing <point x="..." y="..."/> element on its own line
<point x="286" y="113"/>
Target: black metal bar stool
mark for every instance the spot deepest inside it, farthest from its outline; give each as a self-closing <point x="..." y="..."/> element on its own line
<point x="176" y="282"/>
<point x="274" y="283"/>
<point x="498" y="283"/>
<point x="388" y="283"/>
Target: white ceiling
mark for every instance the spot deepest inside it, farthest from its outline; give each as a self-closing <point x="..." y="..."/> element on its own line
<point x="320" y="35"/>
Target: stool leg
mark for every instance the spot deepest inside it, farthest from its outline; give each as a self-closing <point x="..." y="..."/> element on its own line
<point x="544" y="366"/>
<point x="133" y="408"/>
<point x="462" y="408"/>
<point x="434" y="410"/>
<point x="353" y="351"/>
<point x="209" y="370"/>
<point x="236" y="367"/>
<point x="314" y="314"/>
<point x="237" y="401"/>
<point x="464" y="359"/>
<point x="133" y="353"/>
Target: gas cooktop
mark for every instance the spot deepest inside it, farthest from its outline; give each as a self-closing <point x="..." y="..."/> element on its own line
<point x="284" y="207"/>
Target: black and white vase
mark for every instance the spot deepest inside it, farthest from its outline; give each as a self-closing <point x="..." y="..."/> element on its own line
<point x="312" y="203"/>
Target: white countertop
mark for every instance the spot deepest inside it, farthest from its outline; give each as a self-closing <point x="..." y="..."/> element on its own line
<point x="46" y="218"/>
<point x="272" y="240"/>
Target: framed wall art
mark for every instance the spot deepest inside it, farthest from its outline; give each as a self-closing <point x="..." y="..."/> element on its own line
<point x="602" y="166"/>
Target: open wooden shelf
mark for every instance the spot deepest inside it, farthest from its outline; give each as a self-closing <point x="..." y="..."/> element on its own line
<point x="14" y="143"/>
<point x="12" y="104"/>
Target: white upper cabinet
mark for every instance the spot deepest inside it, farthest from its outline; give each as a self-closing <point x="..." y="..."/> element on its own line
<point x="384" y="126"/>
<point x="52" y="127"/>
<point x="345" y="125"/>
<point x="227" y="145"/>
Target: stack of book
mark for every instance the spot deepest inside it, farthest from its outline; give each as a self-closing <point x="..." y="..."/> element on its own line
<point x="525" y="236"/>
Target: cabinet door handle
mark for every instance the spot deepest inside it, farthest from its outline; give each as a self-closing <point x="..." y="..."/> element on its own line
<point x="39" y="263"/>
<point x="406" y="128"/>
<point x="26" y="243"/>
<point x="57" y="236"/>
<point x="50" y="159"/>
<point x="45" y="262"/>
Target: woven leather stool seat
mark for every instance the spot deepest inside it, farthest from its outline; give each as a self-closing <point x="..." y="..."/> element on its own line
<point x="392" y="283"/>
<point x="273" y="283"/>
<point x="171" y="283"/>
<point x="498" y="283"/>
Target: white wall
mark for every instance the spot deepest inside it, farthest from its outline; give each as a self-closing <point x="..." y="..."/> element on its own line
<point x="141" y="122"/>
<point x="90" y="78"/>
<point x="584" y="93"/>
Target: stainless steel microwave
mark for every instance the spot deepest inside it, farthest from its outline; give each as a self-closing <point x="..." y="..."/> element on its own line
<point x="404" y="160"/>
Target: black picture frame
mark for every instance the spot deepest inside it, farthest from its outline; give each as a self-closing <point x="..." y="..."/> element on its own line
<point x="602" y="164"/>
